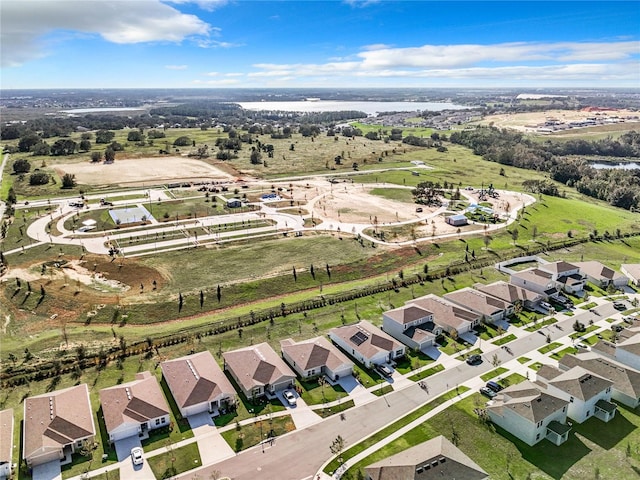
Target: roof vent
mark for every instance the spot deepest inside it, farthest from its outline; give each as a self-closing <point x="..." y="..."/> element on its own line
<point x="442" y="459"/>
<point x="419" y="470"/>
<point x="128" y="392"/>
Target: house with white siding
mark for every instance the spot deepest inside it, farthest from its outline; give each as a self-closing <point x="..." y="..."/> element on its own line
<point x="588" y="394"/>
<point x="530" y="414"/>
<point x="601" y="275"/>
<point x="6" y="443"/>
<point x="512" y="294"/>
<point x="490" y="308"/>
<point x="632" y="272"/>
<point x="412" y="325"/>
<point x="452" y="318"/>
<point x="56" y="424"/>
<point x="134" y="408"/>
<point x="198" y="384"/>
<point x="316" y="357"/>
<point x="626" y="380"/>
<point x="258" y="370"/>
<point x="367" y="343"/>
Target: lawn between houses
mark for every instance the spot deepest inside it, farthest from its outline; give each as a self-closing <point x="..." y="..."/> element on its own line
<point x="594" y="449"/>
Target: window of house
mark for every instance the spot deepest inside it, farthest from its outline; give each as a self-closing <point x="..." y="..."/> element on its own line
<point x="157" y="421"/>
<point x="538" y="437"/>
<point x="588" y="412"/>
<point x="163" y="420"/>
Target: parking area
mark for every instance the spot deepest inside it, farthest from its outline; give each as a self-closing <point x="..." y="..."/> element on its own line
<point x="47" y="471"/>
<point x="124" y="446"/>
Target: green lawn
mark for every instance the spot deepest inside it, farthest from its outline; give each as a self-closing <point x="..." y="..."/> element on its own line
<point x="315" y="393"/>
<point x="176" y="461"/>
<point x="427" y="372"/>
<point x="412" y="360"/>
<point x="565" y="351"/>
<point x="475" y="351"/>
<point x="547" y="348"/>
<point x="493" y="373"/>
<point x="586" y="331"/>
<point x="337" y="408"/>
<point x="506" y="339"/>
<point x="610" y="449"/>
<point x="243" y="437"/>
<point x="589" y="305"/>
<point x="539" y="325"/>
<point x="383" y="390"/>
<point x="524" y="360"/>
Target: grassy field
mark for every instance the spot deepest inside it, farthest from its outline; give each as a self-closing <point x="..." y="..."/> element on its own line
<point x="243" y="437"/>
<point x="176" y="461"/>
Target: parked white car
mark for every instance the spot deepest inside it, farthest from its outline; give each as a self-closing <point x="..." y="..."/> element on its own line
<point x="290" y="397"/>
<point x="136" y="456"/>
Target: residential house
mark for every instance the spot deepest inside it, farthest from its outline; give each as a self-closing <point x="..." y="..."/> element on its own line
<point x="626" y="381"/>
<point x="198" y="384"/>
<point x="437" y="458"/>
<point x="449" y="316"/>
<point x="6" y="443"/>
<point x="632" y="271"/>
<point x="588" y="394"/>
<point x="367" y="343"/>
<point x="315" y="357"/>
<point x="601" y="275"/>
<point x="258" y="370"/>
<point x="56" y="424"/>
<point x="412" y="325"/>
<point x="530" y="414"/>
<point x="627" y="350"/>
<point x="567" y="276"/>
<point x="536" y="280"/>
<point x="512" y="294"/>
<point x="490" y="308"/>
<point x="134" y="408"/>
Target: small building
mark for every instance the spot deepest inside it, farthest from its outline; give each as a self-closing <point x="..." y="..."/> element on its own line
<point x="450" y="317"/>
<point x="627" y="350"/>
<point x="588" y="394"/>
<point x="367" y="343"/>
<point x="567" y="276"/>
<point x="490" y="308"/>
<point x="632" y="272"/>
<point x="437" y="458"/>
<point x="6" y="443"/>
<point x="511" y="294"/>
<point x="315" y="357"/>
<point x="412" y="325"/>
<point x="258" y="370"/>
<point x="234" y="203"/>
<point x="134" y="408"/>
<point x="626" y="381"/>
<point x="457" y="220"/>
<point x="530" y="414"/>
<point x="601" y="275"/>
<point x="56" y="424"/>
<point x="198" y="384"/>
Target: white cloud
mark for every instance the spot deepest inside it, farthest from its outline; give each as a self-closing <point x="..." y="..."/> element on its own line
<point x="176" y="67"/>
<point x="25" y="22"/>
<point x="561" y="61"/>
<point x="208" y="5"/>
<point x="223" y="82"/>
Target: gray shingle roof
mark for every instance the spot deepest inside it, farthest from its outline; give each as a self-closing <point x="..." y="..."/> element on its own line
<point x="528" y="401"/>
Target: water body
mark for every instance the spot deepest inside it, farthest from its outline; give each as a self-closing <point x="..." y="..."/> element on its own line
<point x="370" y="108"/>
<point x="617" y="166"/>
<point x="103" y="109"/>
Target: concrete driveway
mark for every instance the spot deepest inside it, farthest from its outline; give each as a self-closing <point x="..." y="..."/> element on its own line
<point x="213" y="448"/>
<point x="47" y="471"/>
<point x="124" y="446"/>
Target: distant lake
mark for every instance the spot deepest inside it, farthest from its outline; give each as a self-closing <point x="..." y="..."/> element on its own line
<point x="370" y="108"/>
<point x="103" y="109"/>
<point x="619" y="166"/>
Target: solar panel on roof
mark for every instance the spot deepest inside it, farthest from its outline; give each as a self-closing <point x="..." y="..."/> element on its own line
<point x="359" y="338"/>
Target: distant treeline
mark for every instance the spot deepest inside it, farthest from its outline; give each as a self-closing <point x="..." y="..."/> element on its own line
<point x="621" y="188"/>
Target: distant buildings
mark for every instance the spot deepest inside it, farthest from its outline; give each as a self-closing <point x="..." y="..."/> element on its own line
<point x="316" y="357"/>
<point x="367" y="343"/>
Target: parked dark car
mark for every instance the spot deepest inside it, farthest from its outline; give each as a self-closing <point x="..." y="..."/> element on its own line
<point x="384" y="370"/>
<point x="474" y="359"/>
<point x="487" y="392"/>
<point x="494" y="386"/>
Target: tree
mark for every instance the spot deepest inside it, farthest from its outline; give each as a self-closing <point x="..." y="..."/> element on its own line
<point x="27" y="141"/>
<point x="313" y="272"/>
<point x="109" y="155"/>
<point x="68" y="180"/>
<point x="64" y="146"/>
<point x="514" y="234"/>
<point x="336" y="448"/>
<point x="11" y="196"/>
<point x="38" y="178"/>
<point x="201" y="298"/>
<point x="495" y="361"/>
<point x="135" y="136"/>
<point x="85" y="145"/>
<point x="295" y="276"/>
<point x="219" y="293"/>
<point x="182" y="141"/>
<point x="487" y="240"/>
<point x="256" y="157"/>
<point x="95" y="157"/>
<point x="104" y="136"/>
<point x="41" y="148"/>
<point x="21" y="166"/>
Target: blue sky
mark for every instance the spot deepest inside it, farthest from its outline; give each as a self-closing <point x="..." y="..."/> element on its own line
<point x="365" y="43"/>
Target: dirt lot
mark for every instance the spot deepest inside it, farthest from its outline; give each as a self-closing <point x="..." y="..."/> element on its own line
<point x="138" y="170"/>
<point x="520" y="121"/>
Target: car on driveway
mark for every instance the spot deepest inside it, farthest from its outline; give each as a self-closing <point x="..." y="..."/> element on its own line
<point x="474" y="359"/>
<point x="384" y="370"/>
<point x="136" y="456"/>
<point x="290" y="397"/>
<point x="494" y="386"/>
<point x="583" y="346"/>
<point x="619" y="306"/>
<point x="487" y="392"/>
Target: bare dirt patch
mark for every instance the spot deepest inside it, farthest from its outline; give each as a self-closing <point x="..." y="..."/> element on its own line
<point x="527" y="121"/>
<point x="139" y="170"/>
